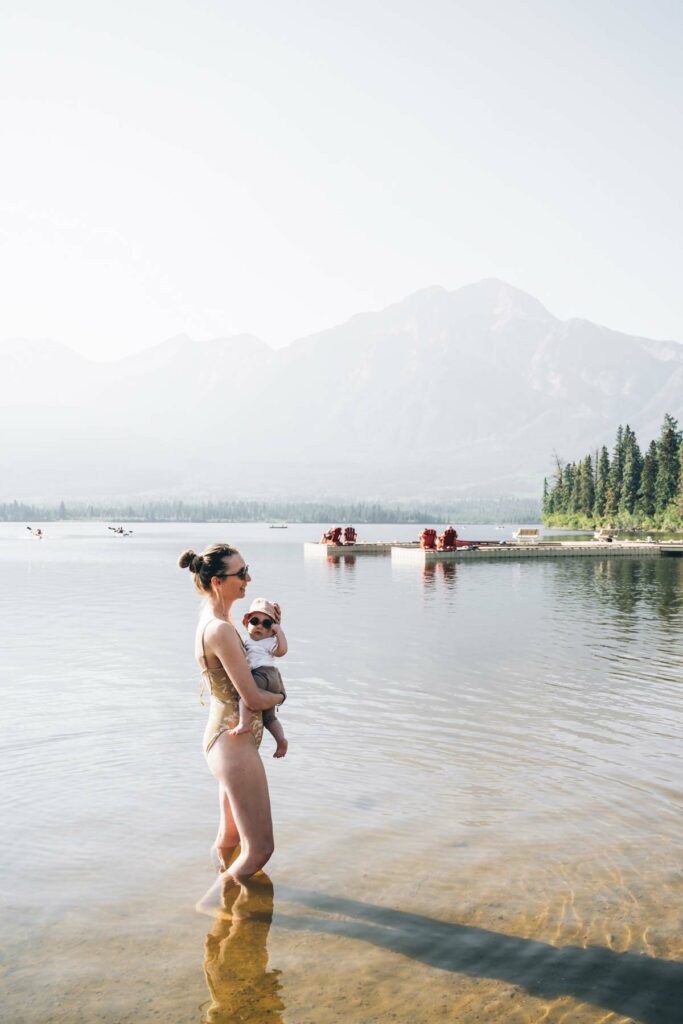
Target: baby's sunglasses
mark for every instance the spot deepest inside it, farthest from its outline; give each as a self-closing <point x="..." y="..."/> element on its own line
<point x="242" y="573"/>
<point x="255" y="621"/>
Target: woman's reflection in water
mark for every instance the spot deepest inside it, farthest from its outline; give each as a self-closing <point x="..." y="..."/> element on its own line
<point x="236" y="960"/>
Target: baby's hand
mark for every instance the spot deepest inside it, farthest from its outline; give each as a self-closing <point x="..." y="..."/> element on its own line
<point x="239" y="730"/>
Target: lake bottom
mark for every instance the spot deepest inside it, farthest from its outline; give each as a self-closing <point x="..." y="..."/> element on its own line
<point x="500" y="939"/>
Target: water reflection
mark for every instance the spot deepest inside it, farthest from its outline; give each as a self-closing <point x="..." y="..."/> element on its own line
<point x="236" y="959"/>
<point x="341" y="561"/>
<point x="627" y="583"/>
<point x="669" y="595"/>
<point x="435" y="573"/>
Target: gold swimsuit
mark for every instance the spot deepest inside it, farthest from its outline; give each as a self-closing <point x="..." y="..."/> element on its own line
<point x="224" y="711"/>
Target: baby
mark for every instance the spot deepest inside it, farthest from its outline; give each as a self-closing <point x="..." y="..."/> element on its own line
<point x="266" y="641"/>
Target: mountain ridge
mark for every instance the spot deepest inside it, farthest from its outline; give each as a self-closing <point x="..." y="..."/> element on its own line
<point x="406" y="302"/>
<point x="443" y="394"/>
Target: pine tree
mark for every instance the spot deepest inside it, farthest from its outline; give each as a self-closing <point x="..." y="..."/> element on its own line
<point x="646" y="491"/>
<point x="566" y="490"/>
<point x="633" y="464"/>
<point x="679" y="497"/>
<point x="586" y="487"/>
<point x="575" y="497"/>
<point x="567" y="486"/>
<point x="557" y="488"/>
<point x="616" y="474"/>
<point x="547" y="503"/>
<point x="601" y="482"/>
<point x="666" y="483"/>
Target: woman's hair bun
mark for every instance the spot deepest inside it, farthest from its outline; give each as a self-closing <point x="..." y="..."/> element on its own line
<point x="207" y="565"/>
<point x="190" y="560"/>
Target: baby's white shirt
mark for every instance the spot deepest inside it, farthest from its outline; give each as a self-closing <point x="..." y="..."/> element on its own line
<point x="260" y="652"/>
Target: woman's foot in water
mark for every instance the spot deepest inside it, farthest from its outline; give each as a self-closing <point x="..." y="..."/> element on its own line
<point x="222" y="856"/>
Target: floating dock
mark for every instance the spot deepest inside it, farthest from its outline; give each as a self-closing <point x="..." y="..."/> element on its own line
<point x="372" y="548"/>
<point x="560" y="549"/>
<point x="409" y="551"/>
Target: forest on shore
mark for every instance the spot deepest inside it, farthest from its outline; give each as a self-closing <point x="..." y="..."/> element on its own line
<point x="630" y="489"/>
<point x="467" y="510"/>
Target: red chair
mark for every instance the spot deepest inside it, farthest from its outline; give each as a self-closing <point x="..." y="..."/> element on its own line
<point x="349" y="535"/>
<point x="447" y="539"/>
<point x="332" y="536"/>
<point x="428" y="539"/>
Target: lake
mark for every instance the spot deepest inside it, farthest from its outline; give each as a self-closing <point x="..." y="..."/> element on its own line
<point x="479" y="817"/>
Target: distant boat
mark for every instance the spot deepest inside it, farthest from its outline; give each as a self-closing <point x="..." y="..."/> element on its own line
<point x="278" y="526"/>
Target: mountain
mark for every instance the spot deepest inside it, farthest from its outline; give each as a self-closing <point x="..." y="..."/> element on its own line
<point x="444" y="394"/>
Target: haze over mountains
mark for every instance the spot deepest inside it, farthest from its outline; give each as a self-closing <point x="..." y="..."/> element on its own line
<point x="442" y="395"/>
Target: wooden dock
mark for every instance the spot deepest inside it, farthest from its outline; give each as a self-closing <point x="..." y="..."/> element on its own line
<point x="410" y="551"/>
<point x="335" y="550"/>
<point x="558" y="549"/>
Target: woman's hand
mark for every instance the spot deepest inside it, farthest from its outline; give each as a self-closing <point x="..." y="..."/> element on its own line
<point x="223" y="641"/>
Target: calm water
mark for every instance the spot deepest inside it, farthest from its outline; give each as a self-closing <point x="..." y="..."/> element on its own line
<point x="479" y="818"/>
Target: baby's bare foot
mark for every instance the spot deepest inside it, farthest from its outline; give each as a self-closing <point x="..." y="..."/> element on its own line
<point x="281" y="748"/>
<point x="238" y="730"/>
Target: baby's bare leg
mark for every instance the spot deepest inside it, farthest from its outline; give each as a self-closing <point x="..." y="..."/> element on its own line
<point x="276" y="730"/>
<point x="244" y="724"/>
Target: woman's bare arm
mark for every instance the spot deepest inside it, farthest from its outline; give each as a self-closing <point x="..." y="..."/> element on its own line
<point x="223" y="641"/>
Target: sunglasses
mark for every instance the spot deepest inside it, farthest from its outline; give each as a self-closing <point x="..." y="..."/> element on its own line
<point x="266" y="623"/>
<point x="242" y="573"/>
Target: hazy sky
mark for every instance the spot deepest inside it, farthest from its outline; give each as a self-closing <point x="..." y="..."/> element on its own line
<point x="273" y="166"/>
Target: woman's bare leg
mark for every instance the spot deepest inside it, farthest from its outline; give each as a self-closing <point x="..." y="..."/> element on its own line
<point x="228" y="837"/>
<point x="235" y="762"/>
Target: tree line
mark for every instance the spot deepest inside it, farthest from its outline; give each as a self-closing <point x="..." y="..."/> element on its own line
<point x="471" y="510"/>
<point x="627" y="489"/>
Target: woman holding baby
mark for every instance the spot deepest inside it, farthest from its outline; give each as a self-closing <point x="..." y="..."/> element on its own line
<point x="231" y="748"/>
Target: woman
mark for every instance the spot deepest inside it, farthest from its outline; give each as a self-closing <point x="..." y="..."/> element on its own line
<point x="220" y="573"/>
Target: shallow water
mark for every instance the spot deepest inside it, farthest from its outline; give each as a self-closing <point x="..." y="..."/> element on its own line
<point x="479" y="818"/>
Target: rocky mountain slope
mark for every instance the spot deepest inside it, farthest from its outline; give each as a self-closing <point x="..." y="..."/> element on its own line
<point x="443" y="394"/>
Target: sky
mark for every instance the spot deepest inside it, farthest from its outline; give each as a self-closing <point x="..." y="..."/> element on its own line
<point x="274" y="167"/>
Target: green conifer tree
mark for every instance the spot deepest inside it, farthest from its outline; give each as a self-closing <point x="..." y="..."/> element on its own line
<point x="616" y="474"/>
<point x="668" y="467"/>
<point x="633" y="464"/>
<point x="646" y="491"/>
<point x="567" y="487"/>
<point x="575" y="499"/>
<point x="547" y="503"/>
<point x="586" y="487"/>
<point x="601" y="482"/>
<point x="557" y="487"/>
